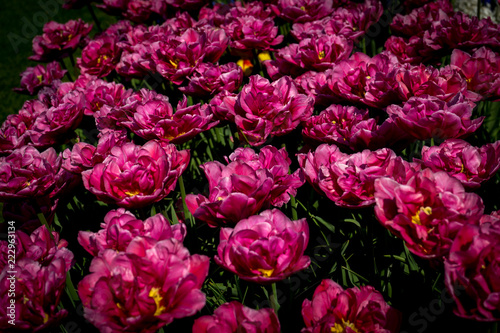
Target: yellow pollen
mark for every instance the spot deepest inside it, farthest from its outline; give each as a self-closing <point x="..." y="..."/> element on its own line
<point x="368" y="77"/>
<point x="303" y="8"/>
<point x="132" y="193"/>
<point x="155" y="295"/>
<point x="341" y="328"/>
<point x="39" y="77"/>
<point x="266" y="272"/>
<point x="321" y="55"/>
<point x="334" y="122"/>
<point x="174" y="63"/>
<point x="45" y="318"/>
<point x="462" y="169"/>
<point x="416" y="218"/>
<point x="264" y="56"/>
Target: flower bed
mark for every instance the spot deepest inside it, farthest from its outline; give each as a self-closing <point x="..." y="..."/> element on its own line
<point x="261" y="166"/>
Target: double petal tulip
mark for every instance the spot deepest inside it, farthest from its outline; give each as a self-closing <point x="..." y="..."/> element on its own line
<point x="360" y="310"/>
<point x="209" y="79"/>
<point x="135" y="176"/>
<point x="348" y="180"/>
<point x="427" y="117"/>
<point x="100" y="56"/>
<point x="144" y="288"/>
<point x="35" y="78"/>
<point x="234" y="317"/>
<point x="264" y="248"/>
<point x="469" y="164"/>
<point x="120" y="227"/>
<point x="154" y="118"/>
<point x="471" y="270"/>
<point x="427" y="211"/>
<point x="41" y="263"/>
<point x="59" y="40"/>
<point x="263" y="109"/>
<point x="247" y="184"/>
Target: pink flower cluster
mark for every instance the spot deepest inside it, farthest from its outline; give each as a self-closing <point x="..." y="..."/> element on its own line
<point x="142" y="277"/>
<point x="38" y="278"/>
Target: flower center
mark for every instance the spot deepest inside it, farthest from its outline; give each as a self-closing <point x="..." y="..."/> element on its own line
<point x="341" y="328"/>
<point x="321" y="55"/>
<point x="416" y="218"/>
<point x="266" y="272"/>
<point x="155" y="295"/>
<point x="132" y="193"/>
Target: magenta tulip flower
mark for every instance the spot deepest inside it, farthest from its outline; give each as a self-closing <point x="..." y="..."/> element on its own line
<point x="144" y="288"/>
<point x="463" y="161"/>
<point x="427" y="211"/>
<point x="247" y="184"/>
<point x="471" y="271"/>
<point x="99" y="57"/>
<point x="304" y="10"/>
<point x="427" y="117"/>
<point x="135" y="176"/>
<point x="41" y="264"/>
<point x="348" y="180"/>
<point x="263" y="109"/>
<point x="209" y="79"/>
<point x="35" y="78"/>
<point x="234" y="317"/>
<point x="120" y="227"/>
<point x="59" y="40"/>
<point x="360" y="310"/>
<point x="264" y="248"/>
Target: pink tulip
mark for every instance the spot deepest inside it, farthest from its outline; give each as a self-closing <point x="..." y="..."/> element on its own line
<point x="264" y="248"/>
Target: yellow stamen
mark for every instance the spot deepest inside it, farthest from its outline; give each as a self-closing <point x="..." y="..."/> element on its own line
<point x="321" y="55"/>
<point x="341" y="328"/>
<point x="174" y="63"/>
<point x="155" y="295"/>
<point x="416" y="218"/>
<point x="266" y="272"/>
<point x="132" y="193"/>
<point x="39" y="77"/>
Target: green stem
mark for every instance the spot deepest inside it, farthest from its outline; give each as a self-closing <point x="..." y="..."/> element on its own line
<point x="187" y="214"/>
<point x="70" y="290"/>
<point x="273" y="298"/>
<point x="293" y="203"/>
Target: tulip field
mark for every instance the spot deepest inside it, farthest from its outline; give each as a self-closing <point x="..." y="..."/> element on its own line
<point x="313" y="166"/>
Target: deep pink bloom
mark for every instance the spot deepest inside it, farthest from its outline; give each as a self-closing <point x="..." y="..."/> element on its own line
<point x="222" y="106"/>
<point x="428" y="117"/>
<point x="84" y="156"/>
<point x="100" y="56"/>
<point x="57" y="123"/>
<point x="348" y="180"/>
<point x="234" y="317"/>
<point x="263" y="109"/>
<point x="407" y="50"/>
<point x="135" y="176"/>
<point x="120" y="227"/>
<point x="151" y="116"/>
<point x="427" y="211"/>
<point x="209" y="79"/>
<point x="264" y="248"/>
<point x="250" y="32"/>
<point x="35" y="78"/>
<point x="304" y="10"/>
<point x="350" y="21"/>
<point x="360" y="310"/>
<point x="59" y="40"/>
<point x="463" y="161"/>
<point x="444" y="83"/>
<point x="421" y="19"/>
<point x="471" y="270"/>
<point x="247" y="184"/>
<point x="352" y="128"/>
<point x="27" y="173"/>
<point x="41" y="263"/>
<point x="362" y="79"/>
<point x="481" y="70"/>
<point x="144" y="288"/>
<point x="176" y="58"/>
